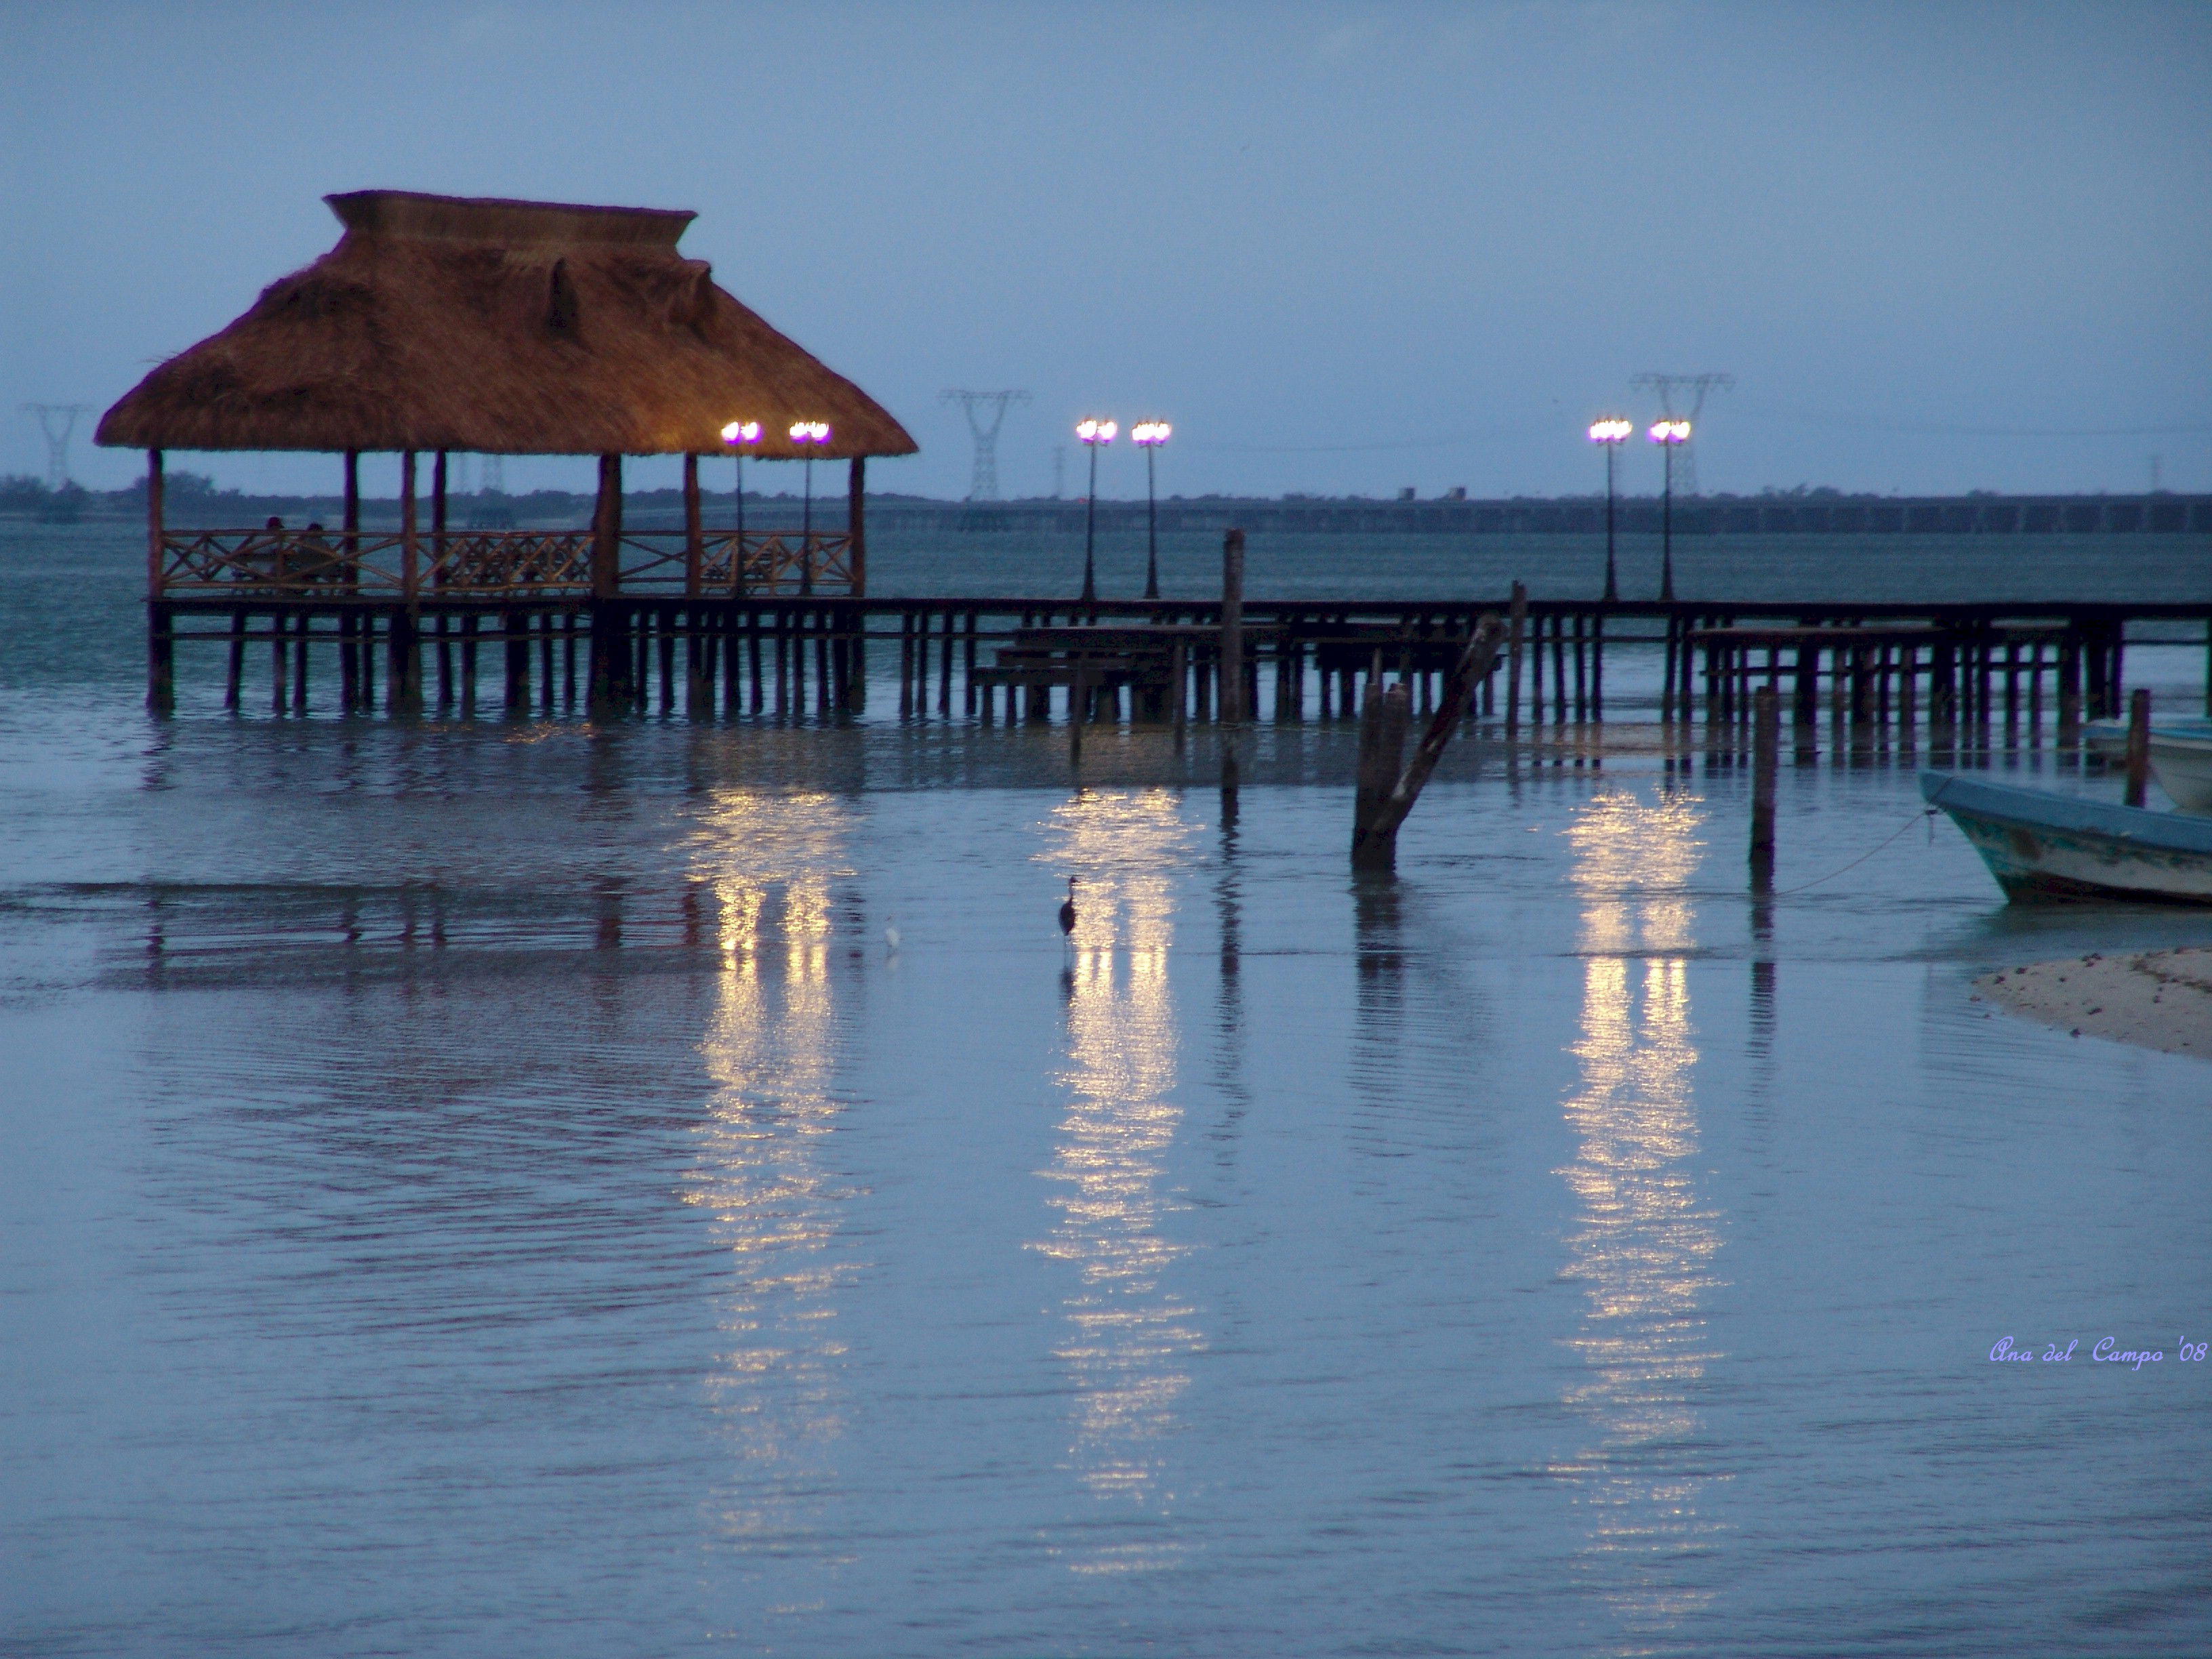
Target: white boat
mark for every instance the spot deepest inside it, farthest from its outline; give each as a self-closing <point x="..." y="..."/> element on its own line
<point x="2180" y="755"/>
<point x="2039" y="845"/>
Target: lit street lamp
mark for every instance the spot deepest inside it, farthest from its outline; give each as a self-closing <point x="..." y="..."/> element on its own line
<point x="1149" y="435"/>
<point x="738" y="434"/>
<point x="1673" y="435"/>
<point x="1611" y="432"/>
<point x="1095" y="435"/>
<point x="804" y="433"/>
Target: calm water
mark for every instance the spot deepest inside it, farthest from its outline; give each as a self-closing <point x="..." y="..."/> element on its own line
<point x="492" y="1189"/>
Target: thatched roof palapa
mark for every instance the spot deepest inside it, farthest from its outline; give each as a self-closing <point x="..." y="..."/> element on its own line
<point x="515" y="328"/>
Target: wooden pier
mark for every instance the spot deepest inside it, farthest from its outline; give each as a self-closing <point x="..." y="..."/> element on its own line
<point x="701" y="644"/>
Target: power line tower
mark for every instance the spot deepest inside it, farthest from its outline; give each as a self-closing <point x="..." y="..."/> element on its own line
<point x="1692" y="389"/>
<point x="985" y="485"/>
<point x="57" y="442"/>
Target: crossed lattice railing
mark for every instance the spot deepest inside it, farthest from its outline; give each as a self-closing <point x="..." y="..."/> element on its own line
<point x="498" y="563"/>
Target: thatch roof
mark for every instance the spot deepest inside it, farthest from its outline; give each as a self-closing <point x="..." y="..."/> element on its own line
<point x="517" y="328"/>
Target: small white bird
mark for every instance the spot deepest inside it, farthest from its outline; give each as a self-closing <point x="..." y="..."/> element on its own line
<point x="891" y="935"/>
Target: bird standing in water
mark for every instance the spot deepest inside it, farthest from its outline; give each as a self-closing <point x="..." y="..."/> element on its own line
<point x="1068" y="912"/>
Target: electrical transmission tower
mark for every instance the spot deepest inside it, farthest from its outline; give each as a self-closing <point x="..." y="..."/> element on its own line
<point x="58" y="476"/>
<point x="1692" y="389"/>
<point x="985" y="485"/>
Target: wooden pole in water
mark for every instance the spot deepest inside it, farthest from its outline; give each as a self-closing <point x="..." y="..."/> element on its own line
<point x="1765" y="741"/>
<point x="1233" y="628"/>
<point x="1384" y="796"/>
<point x="2138" y="745"/>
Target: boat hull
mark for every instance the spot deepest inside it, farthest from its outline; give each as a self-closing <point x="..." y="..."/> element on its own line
<point x="2184" y="766"/>
<point x="2044" y="845"/>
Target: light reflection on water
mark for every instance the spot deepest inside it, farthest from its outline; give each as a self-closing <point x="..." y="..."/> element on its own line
<point x="770" y="1052"/>
<point x="1642" y="1240"/>
<point x="1129" y="1332"/>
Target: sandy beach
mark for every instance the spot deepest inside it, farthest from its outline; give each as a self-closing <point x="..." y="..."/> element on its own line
<point x="2158" y="1000"/>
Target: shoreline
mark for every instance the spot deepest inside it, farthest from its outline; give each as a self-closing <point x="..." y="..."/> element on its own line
<point x="2159" y="1000"/>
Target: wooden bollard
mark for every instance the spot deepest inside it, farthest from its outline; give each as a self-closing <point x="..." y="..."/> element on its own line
<point x="1233" y="710"/>
<point x="2138" y="745"/>
<point x="1766" y="742"/>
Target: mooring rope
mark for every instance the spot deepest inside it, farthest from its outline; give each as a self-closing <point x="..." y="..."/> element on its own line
<point x="1928" y="812"/>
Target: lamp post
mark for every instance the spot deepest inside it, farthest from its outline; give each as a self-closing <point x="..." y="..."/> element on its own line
<point x="1095" y="435"/>
<point x="738" y="434"/>
<point x="1672" y="435"/>
<point x="1149" y="435"/>
<point x="1610" y="431"/>
<point x="805" y="433"/>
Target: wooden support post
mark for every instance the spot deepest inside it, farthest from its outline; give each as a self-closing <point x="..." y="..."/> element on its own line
<point x="515" y="626"/>
<point x="1582" y="673"/>
<point x="300" y="663"/>
<point x="758" y="697"/>
<point x="856" y="523"/>
<point x="1766" y="740"/>
<point x="2070" y="689"/>
<point x="2035" y="694"/>
<point x="1597" y="669"/>
<point x="277" y="665"/>
<point x="906" y="664"/>
<point x="1560" y="713"/>
<point x="1178" y="675"/>
<point x="2139" y="747"/>
<point x="469" y="625"/>
<point x="782" y="664"/>
<point x="610" y="672"/>
<point x="1517" y="612"/>
<point x="666" y="622"/>
<point x="1805" y="702"/>
<point x="1908" y="701"/>
<point x="1666" y="673"/>
<point x="160" y="631"/>
<point x="367" y="624"/>
<point x="1233" y="707"/>
<point x="968" y="665"/>
<point x="944" y="668"/>
<point x="232" y="682"/>
<point x="438" y="522"/>
<point x="445" y="665"/>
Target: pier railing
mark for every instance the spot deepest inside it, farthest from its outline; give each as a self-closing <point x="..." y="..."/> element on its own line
<point x="523" y="564"/>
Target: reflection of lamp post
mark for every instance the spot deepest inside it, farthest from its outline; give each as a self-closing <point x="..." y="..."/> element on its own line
<point x="804" y="433"/>
<point x="1611" y="432"/>
<point x="1149" y="435"/>
<point x="1095" y="435"/>
<point x="1673" y="435"/>
<point x="738" y="434"/>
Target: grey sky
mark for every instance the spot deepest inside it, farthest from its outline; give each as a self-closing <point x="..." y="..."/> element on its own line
<point x="1343" y="247"/>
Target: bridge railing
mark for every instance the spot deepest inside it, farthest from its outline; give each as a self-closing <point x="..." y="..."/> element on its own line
<point x="497" y="564"/>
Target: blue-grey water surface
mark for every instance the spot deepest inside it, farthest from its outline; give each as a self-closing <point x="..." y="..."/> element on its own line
<point x="491" y="1188"/>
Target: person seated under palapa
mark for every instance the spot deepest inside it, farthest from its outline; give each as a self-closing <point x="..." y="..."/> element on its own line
<point x="312" y="559"/>
<point x="262" y="557"/>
